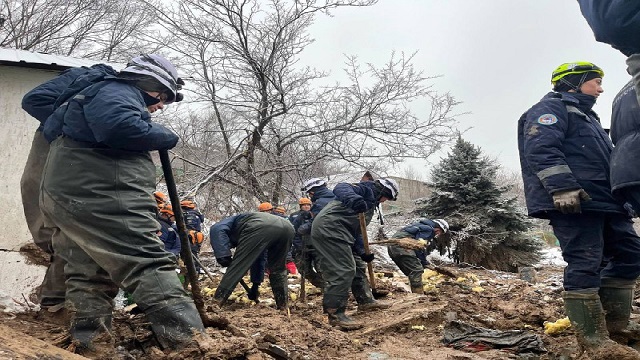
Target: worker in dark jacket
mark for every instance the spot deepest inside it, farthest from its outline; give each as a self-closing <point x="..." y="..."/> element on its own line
<point x="193" y="222"/>
<point x="251" y="234"/>
<point x="168" y="230"/>
<point x="40" y="103"/>
<point x="413" y="262"/>
<point x="97" y="189"/>
<point x="306" y="255"/>
<point x="302" y="252"/>
<point x="334" y="234"/>
<point x="625" y="134"/>
<point x="564" y="155"/>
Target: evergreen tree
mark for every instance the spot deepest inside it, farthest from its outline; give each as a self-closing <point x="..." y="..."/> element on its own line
<point x="487" y="227"/>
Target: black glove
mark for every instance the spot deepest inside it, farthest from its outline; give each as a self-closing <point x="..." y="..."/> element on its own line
<point x="367" y="257"/>
<point x="306" y="215"/>
<point x="224" y="261"/>
<point x="359" y="205"/>
<point x="254" y="292"/>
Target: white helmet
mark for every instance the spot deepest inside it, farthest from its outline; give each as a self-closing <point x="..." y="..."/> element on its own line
<point x="160" y="69"/>
<point x="390" y="185"/>
<point x="311" y="183"/>
<point x="442" y="224"/>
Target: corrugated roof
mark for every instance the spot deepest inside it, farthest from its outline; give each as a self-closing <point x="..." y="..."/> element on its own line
<point x="24" y="58"/>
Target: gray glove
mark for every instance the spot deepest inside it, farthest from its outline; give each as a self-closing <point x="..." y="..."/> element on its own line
<point x="568" y="202"/>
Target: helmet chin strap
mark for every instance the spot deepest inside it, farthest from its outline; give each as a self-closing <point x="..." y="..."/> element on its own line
<point x="380" y="216"/>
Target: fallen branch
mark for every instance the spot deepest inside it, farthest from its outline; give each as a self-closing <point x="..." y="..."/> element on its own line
<point x="405" y="243"/>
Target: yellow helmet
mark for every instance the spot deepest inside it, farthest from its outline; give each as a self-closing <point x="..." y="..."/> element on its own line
<point x="578" y="67"/>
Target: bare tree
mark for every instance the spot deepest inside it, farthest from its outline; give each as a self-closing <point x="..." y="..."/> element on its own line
<point x="110" y="30"/>
<point x="274" y="121"/>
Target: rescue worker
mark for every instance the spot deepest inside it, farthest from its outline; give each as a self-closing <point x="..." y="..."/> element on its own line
<point x="168" y="231"/>
<point x="336" y="235"/>
<point x="565" y="160"/>
<point x="251" y="234"/>
<point x="304" y="259"/>
<point x="320" y="196"/>
<point x="97" y="189"/>
<point x="280" y="211"/>
<point x="40" y="103"/>
<point x="193" y="222"/>
<point x="413" y="262"/>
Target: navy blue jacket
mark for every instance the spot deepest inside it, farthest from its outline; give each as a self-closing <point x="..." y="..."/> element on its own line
<point x="193" y="219"/>
<point x="111" y="114"/>
<point x="297" y="220"/>
<point x="321" y="197"/>
<point x="169" y="237"/>
<point x="614" y="22"/>
<point x="347" y="193"/>
<point x="225" y="234"/>
<point x="423" y="229"/>
<point x="563" y="147"/>
<point x="42" y="100"/>
<point x="625" y="133"/>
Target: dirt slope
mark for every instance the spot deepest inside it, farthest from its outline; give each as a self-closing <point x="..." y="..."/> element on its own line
<point x="410" y="329"/>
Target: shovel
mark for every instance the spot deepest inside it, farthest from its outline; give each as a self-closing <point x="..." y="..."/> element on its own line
<point x="185" y="249"/>
<point x="372" y="279"/>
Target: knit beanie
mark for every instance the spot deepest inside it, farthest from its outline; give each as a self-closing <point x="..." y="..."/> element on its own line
<point x="573" y="81"/>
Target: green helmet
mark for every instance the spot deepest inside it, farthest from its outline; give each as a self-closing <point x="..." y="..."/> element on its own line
<point x="578" y="67"/>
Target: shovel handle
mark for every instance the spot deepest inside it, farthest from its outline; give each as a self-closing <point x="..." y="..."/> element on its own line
<point x="185" y="250"/>
<point x="365" y="241"/>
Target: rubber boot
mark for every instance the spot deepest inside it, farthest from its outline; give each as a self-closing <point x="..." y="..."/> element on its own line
<point x="417" y="289"/>
<point x="616" y="296"/>
<point x="280" y="289"/>
<point x="337" y="317"/>
<point x="90" y="333"/>
<point x="587" y="318"/>
<point x="175" y="325"/>
<point x="57" y="314"/>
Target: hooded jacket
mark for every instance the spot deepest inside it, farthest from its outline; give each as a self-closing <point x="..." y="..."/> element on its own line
<point x="614" y="22"/>
<point x="109" y="114"/>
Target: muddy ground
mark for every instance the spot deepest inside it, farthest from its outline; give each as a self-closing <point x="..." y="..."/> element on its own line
<point x="411" y="329"/>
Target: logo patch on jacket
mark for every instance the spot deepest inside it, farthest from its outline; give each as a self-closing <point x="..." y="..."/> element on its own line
<point x="547" y="119"/>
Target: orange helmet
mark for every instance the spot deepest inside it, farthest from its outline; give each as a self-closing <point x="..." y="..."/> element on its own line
<point x="166" y="209"/>
<point x="189" y="204"/>
<point x="280" y="210"/>
<point x="265" y="206"/>
<point x="304" y="201"/>
<point x="161" y="198"/>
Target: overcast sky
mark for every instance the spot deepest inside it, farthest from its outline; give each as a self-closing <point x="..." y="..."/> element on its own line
<point x="495" y="56"/>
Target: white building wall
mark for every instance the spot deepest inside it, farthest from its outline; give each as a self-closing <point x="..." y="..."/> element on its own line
<point x="16" y="133"/>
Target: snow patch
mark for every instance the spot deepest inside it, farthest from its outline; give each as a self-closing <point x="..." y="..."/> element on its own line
<point x="552" y="257"/>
